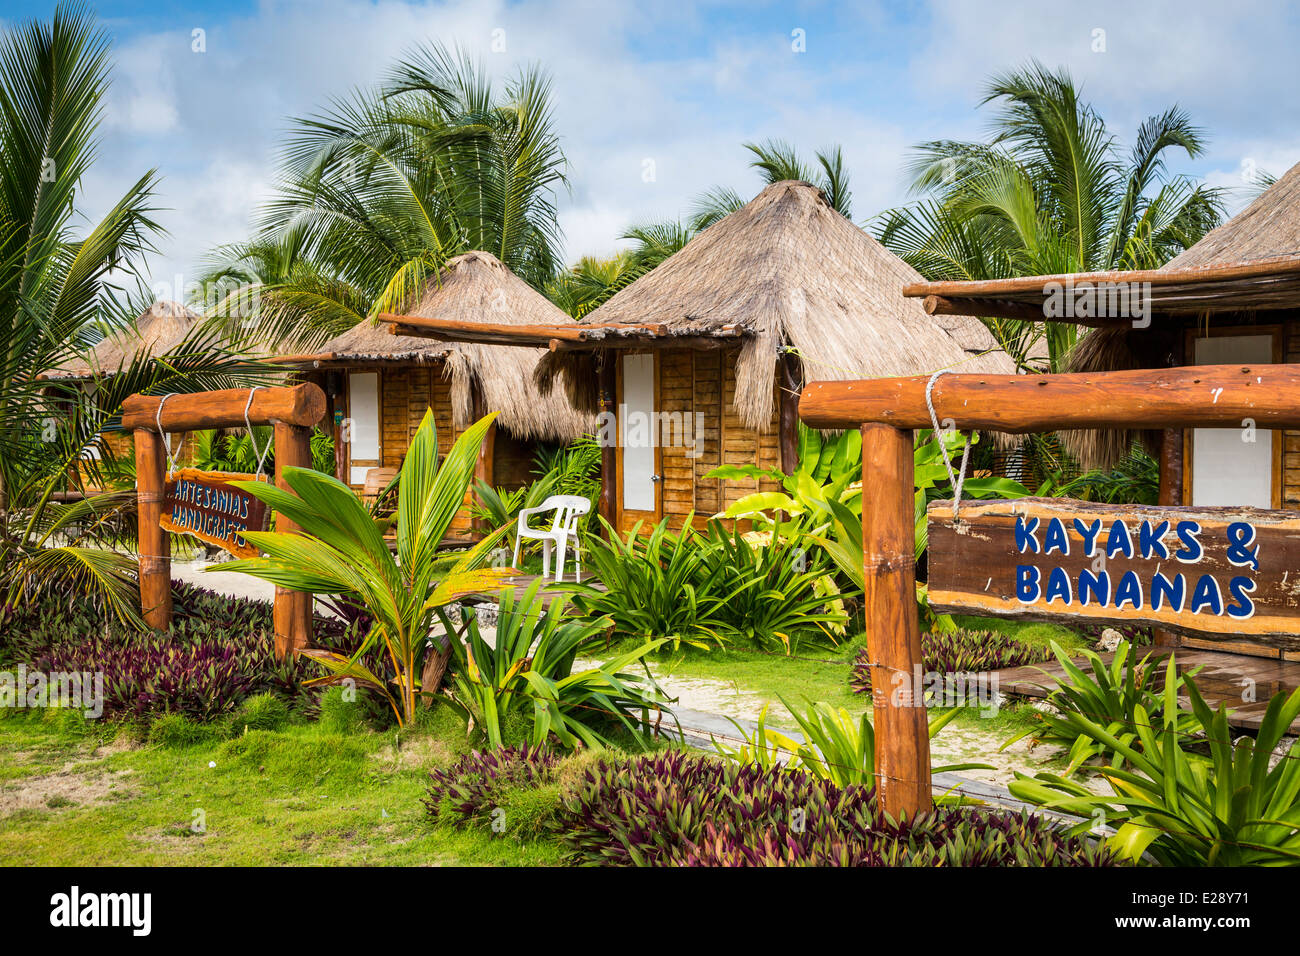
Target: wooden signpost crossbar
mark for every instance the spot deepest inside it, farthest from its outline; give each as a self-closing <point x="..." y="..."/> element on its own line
<point x="293" y="411"/>
<point x="887" y="410"/>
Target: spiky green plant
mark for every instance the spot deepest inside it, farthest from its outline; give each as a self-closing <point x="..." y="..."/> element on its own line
<point x="528" y="671"/>
<point x="341" y="550"/>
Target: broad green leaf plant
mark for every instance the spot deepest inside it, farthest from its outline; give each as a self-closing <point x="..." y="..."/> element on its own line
<point x="341" y="550"/>
<point x="528" y="673"/>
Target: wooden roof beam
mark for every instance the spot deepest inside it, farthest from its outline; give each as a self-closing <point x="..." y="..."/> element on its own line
<point x="1199" y="396"/>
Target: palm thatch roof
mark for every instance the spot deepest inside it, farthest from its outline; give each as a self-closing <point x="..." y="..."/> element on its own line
<point x="787" y="270"/>
<point x="1248" y="265"/>
<point x="475" y="288"/>
<point x="161" y="329"/>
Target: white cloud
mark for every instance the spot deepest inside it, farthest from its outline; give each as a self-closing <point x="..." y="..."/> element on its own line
<point x="684" y="87"/>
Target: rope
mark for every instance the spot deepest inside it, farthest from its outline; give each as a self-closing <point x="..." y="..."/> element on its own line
<point x="252" y="437"/>
<point x="171" y="463"/>
<point x="958" y="478"/>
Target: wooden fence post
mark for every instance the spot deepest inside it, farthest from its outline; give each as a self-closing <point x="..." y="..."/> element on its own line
<point x="292" y="614"/>
<point x="154" y="544"/>
<point x="893" y="628"/>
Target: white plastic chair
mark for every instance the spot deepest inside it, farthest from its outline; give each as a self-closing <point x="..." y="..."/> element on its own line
<point x="564" y="529"/>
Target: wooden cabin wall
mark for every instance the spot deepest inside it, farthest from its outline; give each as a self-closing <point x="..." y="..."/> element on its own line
<point x="704" y="382"/>
<point x="405" y="393"/>
<point x="1289" y="499"/>
<point x="1291" y="438"/>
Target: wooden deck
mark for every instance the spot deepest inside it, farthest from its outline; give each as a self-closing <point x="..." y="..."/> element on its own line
<point x="1222" y="679"/>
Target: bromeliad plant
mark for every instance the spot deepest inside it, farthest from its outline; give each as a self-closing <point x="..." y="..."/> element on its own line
<point x="778" y="592"/>
<point x="658" y="586"/>
<point x="341" y="550"/>
<point x="1189" y="798"/>
<point x="1109" y="695"/>
<point x="959" y="651"/>
<point x="527" y="674"/>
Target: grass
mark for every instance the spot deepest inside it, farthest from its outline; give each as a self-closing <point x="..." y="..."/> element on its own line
<point x="302" y="795"/>
<point x="1034" y="634"/>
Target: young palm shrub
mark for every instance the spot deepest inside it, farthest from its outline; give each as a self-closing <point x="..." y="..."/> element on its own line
<point x="528" y="673"/>
<point x="341" y="551"/>
<point x="499" y="508"/>
<point x="1188" y="800"/>
<point x="1110" y="694"/>
<point x="835" y="748"/>
<point x="662" y="586"/>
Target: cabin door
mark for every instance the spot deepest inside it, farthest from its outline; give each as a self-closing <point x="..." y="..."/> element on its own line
<point x="1233" y="466"/>
<point x="640" y="486"/>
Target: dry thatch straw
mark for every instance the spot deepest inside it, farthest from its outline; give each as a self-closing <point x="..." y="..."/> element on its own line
<point x="477" y="287"/>
<point x="161" y="329"/>
<point x="788" y="270"/>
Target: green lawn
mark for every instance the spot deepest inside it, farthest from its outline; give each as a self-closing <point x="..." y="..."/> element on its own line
<point x="301" y="796"/>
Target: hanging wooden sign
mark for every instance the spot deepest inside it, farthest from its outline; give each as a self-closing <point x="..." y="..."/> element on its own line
<point x="1205" y="572"/>
<point x="205" y="505"/>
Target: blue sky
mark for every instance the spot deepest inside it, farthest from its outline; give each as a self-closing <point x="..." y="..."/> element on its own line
<point x="681" y="85"/>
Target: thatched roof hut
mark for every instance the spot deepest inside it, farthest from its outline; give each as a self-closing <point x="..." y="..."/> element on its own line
<point x="712" y="345"/>
<point x="1269" y="228"/>
<point x="161" y="329"/>
<point x="474" y="288"/>
<point x="787" y="270"/>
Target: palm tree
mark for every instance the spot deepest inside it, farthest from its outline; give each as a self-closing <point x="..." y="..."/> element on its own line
<point x="379" y="191"/>
<point x="1050" y="192"/>
<point x="777" y="160"/>
<point x="56" y="298"/>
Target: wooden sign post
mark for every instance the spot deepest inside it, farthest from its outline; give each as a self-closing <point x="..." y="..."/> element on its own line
<point x="293" y="411"/>
<point x="1206" y="396"/>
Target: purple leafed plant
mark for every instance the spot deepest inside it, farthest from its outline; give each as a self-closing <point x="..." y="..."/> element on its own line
<point x="219" y="651"/>
<point x="684" y="810"/>
<point x="679" y="809"/>
<point x="959" y="651"/>
<point x="469" y="788"/>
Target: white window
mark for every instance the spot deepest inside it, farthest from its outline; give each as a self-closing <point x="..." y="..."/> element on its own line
<point x="1233" y="466"/>
<point x="363" y="427"/>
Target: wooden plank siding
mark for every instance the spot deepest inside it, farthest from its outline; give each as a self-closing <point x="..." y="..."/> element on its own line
<point x="405" y="393"/>
<point x="1291" y="438"/>
<point x="698" y="388"/>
